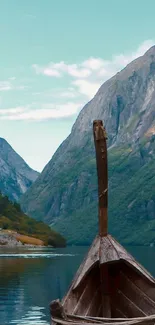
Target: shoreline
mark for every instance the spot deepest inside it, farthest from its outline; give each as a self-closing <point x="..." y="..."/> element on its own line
<point x="13" y="239"/>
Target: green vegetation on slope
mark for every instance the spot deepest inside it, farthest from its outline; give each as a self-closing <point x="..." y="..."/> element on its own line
<point x="11" y="217"/>
<point x="131" y="198"/>
<point x="65" y="193"/>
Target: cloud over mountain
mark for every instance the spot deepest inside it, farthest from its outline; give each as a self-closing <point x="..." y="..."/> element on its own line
<point x="80" y="83"/>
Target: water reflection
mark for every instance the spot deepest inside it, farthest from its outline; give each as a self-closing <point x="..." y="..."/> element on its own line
<point x="24" y="255"/>
<point x="30" y="279"/>
<point x="34" y="316"/>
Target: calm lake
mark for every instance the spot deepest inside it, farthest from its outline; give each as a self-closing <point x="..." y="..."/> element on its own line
<point x="31" y="278"/>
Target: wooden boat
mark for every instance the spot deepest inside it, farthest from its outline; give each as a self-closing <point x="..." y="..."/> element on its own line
<point x="110" y="287"/>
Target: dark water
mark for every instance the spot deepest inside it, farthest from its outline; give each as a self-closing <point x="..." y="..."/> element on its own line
<point x="30" y="279"/>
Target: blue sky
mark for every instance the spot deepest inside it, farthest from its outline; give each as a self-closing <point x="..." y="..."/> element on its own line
<point x="54" y="56"/>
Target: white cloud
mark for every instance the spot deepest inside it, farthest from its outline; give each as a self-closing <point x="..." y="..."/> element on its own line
<point x="86" y="87"/>
<point x="89" y="75"/>
<point x="58" y="69"/>
<point x="47" y="71"/>
<point x="12" y="78"/>
<point x="69" y="93"/>
<point x="93" y="63"/>
<point x="11" y="111"/>
<point x="5" y="86"/>
<point x="124" y="59"/>
<point x="82" y="82"/>
<point x="74" y="71"/>
<point x="46" y="111"/>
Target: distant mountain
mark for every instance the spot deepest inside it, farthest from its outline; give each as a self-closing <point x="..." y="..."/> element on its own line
<point x="15" y="175"/>
<point x="65" y="193"/>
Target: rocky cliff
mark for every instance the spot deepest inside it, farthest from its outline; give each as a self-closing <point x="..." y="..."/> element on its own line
<point x="15" y="175"/>
<point x="65" y="193"/>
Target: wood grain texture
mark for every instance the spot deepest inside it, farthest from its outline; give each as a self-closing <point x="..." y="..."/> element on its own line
<point x="109" y="272"/>
<point x="110" y="286"/>
<point x="102" y="172"/>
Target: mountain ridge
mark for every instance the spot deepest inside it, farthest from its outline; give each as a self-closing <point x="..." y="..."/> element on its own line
<point x="15" y="174"/>
<point x="66" y="191"/>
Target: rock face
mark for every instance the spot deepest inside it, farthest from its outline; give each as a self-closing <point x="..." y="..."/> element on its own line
<point x="7" y="239"/>
<point x="15" y="175"/>
<point x="65" y="193"/>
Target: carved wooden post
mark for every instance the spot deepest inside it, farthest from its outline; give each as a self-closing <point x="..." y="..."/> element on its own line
<point x="102" y="171"/>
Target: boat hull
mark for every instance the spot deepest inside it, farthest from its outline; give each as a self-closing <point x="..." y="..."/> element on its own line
<point x="110" y="287"/>
<point x="129" y="289"/>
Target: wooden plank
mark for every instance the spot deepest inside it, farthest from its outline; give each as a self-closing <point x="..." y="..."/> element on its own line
<point x="140" y="281"/>
<point x="79" y="300"/>
<point x="130" y="321"/>
<point x="122" y="302"/>
<point x="76" y="296"/>
<point x="136" y="295"/>
<point x="90" y="260"/>
<point x="84" y="302"/>
<point x="141" y="269"/>
<point x="93" y="308"/>
<point x="117" y="313"/>
<point x="108" y="252"/>
<point x="103" y="319"/>
<point x="99" y="312"/>
<point x="124" y="255"/>
<point x="78" y="320"/>
<point x="105" y="292"/>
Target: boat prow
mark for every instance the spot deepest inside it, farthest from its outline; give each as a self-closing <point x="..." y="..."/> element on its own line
<point x="110" y="286"/>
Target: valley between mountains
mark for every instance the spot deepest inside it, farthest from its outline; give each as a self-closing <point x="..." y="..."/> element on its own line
<point x="64" y="195"/>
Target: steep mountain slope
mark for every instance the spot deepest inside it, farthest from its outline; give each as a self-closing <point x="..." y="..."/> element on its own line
<point x="65" y="194"/>
<point x="15" y="225"/>
<point x="15" y="175"/>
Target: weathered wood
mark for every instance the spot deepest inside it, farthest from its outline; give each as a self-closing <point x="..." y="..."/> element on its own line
<point x="57" y="310"/>
<point x="110" y="287"/>
<point x="102" y="171"/>
<point x="130" y="290"/>
<point x="137" y="295"/>
<point x="103" y="319"/>
<point x="101" y="161"/>
<point x="108" y="252"/>
<point x="106" y="321"/>
<point x="91" y="259"/>
<point x="124" y="255"/>
<point x="142" y="282"/>
<point x="78" y="300"/>
<point x="105" y="292"/>
<point x="94" y="303"/>
<point x="91" y="290"/>
<point x="129" y="307"/>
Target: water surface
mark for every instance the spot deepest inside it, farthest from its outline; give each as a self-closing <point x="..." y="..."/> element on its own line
<point x="31" y="278"/>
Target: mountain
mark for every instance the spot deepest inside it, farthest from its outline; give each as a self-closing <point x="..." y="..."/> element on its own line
<point x="15" y="175"/>
<point x="65" y="193"/>
<point x="16" y="226"/>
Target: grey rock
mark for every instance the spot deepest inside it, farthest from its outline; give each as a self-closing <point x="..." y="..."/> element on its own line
<point x="15" y="175"/>
<point x="8" y="239"/>
<point x="126" y="104"/>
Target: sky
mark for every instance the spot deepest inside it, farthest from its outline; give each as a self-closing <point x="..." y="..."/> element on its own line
<point x="54" y="56"/>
